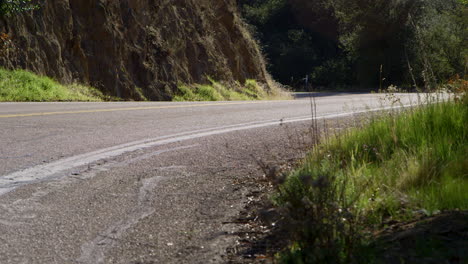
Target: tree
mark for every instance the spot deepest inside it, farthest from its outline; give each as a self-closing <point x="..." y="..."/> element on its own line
<point x="368" y="43"/>
<point x="294" y="41"/>
<point x="419" y="42"/>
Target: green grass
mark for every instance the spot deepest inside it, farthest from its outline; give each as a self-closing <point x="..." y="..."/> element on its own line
<point x="216" y="91"/>
<point x="418" y="154"/>
<point x="395" y="165"/>
<point x="24" y="86"/>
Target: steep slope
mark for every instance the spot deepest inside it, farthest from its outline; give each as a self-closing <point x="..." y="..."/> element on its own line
<point x="130" y="48"/>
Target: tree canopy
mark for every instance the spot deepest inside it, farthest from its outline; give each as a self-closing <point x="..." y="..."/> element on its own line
<point x="361" y="42"/>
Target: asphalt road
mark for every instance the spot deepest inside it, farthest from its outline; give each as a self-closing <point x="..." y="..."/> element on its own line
<point x="131" y="182"/>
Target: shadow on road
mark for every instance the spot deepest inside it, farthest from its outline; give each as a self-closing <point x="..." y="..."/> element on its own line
<point x="299" y="95"/>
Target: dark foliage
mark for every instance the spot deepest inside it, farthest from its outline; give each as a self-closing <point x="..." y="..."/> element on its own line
<point x="366" y="43"/>
<point x="295" y="42"/>
<point x="10" y="7"/>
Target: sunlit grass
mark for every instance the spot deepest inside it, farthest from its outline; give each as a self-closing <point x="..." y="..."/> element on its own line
<point x="25" y="86"/>
<point x="216" y="91"/>
<point x="399" y="164"/>
<point x="404" y="156"/>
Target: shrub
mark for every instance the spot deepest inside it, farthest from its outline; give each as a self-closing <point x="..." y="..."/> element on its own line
<point x="11" y="7"/>
<point x="216" y="91"/>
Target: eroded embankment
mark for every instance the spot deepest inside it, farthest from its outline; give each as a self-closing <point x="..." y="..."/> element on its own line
<point x="133" y="49"/>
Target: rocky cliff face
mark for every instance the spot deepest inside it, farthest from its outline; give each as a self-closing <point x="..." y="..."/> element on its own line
<point x="129" y="47"/>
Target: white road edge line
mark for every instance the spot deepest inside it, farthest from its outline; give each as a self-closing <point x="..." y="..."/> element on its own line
<point x="42" y="172"/>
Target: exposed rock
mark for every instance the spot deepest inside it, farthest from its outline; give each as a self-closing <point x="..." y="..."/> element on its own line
<point x="120" y="46"/>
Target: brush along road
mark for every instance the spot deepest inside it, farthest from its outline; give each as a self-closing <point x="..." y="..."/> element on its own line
<point x="141" y="182"/>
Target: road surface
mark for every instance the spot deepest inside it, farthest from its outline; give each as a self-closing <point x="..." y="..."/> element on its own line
<point x="132" y="182"/>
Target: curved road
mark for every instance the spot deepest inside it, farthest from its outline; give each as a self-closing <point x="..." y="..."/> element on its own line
<point x="131" y="182"/>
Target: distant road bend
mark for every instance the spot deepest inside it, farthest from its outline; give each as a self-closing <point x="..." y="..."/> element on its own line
<point x="119" y="182"/>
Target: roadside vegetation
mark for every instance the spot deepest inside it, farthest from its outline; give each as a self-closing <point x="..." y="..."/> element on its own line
<point x="398" y="166"/>
<point x="25" y="86"/>
<point x="216" y="91"/>
<point x="361" y="43"/>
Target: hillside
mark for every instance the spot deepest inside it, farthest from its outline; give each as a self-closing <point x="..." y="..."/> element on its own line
<point x="133" y="49"/>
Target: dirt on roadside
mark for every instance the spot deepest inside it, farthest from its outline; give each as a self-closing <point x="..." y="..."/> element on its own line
<point x="442" y="238"/>
<point x="430" y="240"/>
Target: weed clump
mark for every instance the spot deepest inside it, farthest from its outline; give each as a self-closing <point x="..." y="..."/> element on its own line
<point x="216" y="91"/>
<point x="322" y="223"/>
